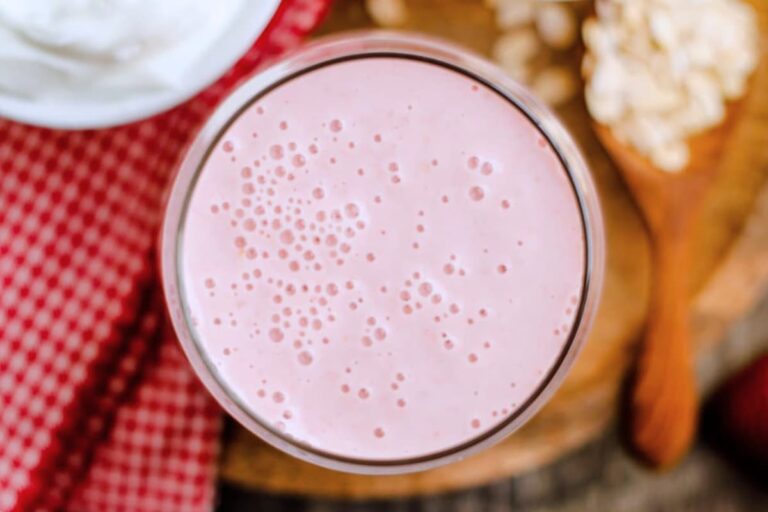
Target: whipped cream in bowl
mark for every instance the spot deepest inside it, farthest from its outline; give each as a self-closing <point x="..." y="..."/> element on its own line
<point x="77" y="64"/>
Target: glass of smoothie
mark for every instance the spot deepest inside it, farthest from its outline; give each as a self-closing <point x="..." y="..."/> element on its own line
<point x="381" y="254"/>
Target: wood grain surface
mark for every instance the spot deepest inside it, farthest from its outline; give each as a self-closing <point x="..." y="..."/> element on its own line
<point x="729" y="273"/>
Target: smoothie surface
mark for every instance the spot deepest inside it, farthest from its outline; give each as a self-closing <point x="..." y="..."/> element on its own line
<point x="382" y="258"/>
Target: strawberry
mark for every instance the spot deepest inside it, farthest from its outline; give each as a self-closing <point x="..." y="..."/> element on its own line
<point x="737" y="416"/>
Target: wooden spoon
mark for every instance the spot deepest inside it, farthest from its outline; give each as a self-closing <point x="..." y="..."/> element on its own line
<point x="663" y="409"/>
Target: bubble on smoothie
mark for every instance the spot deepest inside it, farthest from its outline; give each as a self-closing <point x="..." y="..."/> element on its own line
<point x="476" y="193"/>
<point x="472" y="358"/>
<point x="278" y="397"/>
<point x="305" y="358"/>
<point x="228" y="146"/>
<point x="502" y="269"/>
<point x="249" y="224"/>
<point x="377" y="137"/>
<point x="352" y="210"/>
<point x="475" y="423"/>
<point x="363" y="393"/>
<point x="486" y="169"/>
<point x="378" y="432"/>
<point x="425" y="289"/>
<point x="276" y="151"/>
<point x="336" y="126"/>
<point x="276" y="334"/>
<point x="298" y="160"/>
<point x="345" y="388"/>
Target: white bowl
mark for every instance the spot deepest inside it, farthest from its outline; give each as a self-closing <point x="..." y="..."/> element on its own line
<point x="81" y="114"/>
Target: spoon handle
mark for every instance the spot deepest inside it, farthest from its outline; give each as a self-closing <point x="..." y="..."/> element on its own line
<point x="664" y="401"/>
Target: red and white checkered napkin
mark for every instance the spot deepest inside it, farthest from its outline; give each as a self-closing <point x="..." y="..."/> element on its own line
<point x="99" y="410"/>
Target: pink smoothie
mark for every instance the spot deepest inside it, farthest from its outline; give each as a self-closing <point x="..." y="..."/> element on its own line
<point x="383" y="258"/>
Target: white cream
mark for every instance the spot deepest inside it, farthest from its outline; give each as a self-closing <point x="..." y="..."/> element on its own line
<point x="105" y="49"/>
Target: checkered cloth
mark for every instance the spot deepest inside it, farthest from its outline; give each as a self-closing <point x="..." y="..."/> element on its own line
<point x="99" y="411"/>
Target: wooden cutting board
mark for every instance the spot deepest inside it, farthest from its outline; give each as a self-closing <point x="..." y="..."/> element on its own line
<point x="730" y="274"/>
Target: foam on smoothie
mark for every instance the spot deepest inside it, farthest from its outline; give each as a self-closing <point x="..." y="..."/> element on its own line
<point x="382" y="258"/>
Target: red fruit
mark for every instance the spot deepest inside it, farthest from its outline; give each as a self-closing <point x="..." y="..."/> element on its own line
<point x="739" y="413"/>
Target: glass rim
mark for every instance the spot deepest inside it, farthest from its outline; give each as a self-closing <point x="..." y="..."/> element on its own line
<point x="344" y="48"/>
